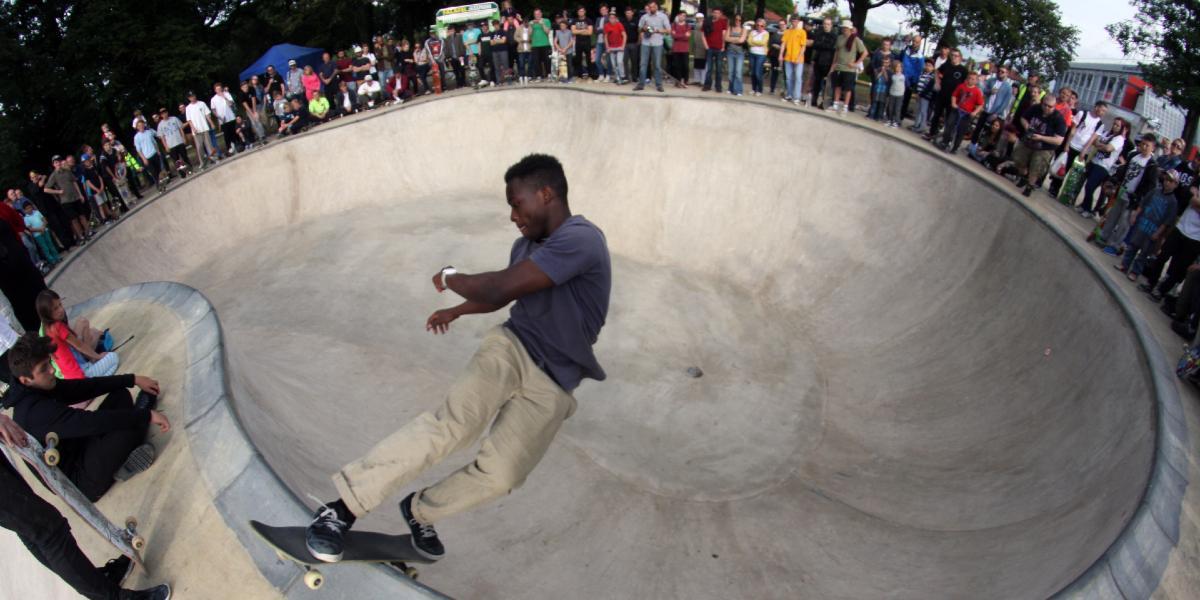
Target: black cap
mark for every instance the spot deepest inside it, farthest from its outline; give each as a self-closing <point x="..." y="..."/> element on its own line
<point x="191" y="94"/>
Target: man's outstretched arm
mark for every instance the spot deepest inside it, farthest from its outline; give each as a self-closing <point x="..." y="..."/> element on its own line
<point x="497" y="288"/>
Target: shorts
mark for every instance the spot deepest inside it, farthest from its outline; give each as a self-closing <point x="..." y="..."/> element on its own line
<point x="76" y="209"/>
<point x="843" y="79"/>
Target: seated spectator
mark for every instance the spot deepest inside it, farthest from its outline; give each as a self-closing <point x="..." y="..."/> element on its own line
<point x="397" y="88"/>
<point x="318" y="108"/>
<point x="988" y="140"/>
<point x="370" y="92"/>
<point x="81" y="350"/>
<point x="96" y="447"/>
<point x="296" y="119"/>
<point x="245" y="132"/>
<point x="345" y="101"/>
<point x="280" y="106"/>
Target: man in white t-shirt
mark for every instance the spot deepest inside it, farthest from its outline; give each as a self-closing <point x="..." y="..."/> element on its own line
<point x="222" y="108"/>
<point x="1086" y="127"/>
<point x="200" y="118"/>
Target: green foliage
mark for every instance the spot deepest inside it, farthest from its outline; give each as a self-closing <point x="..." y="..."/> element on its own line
<point x="1166" y="34"/>
<point x="1027" y="34"/>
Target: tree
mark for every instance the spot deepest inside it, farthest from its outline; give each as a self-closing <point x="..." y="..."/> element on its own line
<point x="1029" y="35"/>
<point x="1166" y="35"/>
<point x="860" y="8"/>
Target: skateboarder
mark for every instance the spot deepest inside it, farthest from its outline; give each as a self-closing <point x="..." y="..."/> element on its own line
<point x="48" y="537"/>
<point x="523" y="374"/>
<point x="97" y="446"/>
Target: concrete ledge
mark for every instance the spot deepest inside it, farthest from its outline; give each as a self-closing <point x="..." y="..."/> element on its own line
<point x="242" y="485"/>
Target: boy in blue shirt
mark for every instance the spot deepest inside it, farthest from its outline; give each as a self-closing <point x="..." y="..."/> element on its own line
<point x="1151" y="222"/>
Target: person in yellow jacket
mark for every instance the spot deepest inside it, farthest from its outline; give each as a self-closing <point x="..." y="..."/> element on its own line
<point x="791" y="57"/>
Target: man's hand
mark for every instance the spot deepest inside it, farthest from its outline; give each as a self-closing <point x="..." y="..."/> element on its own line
<point x="438" y="282"/>
<point x="146" y="384"/>
<point x="157" y="418"/>
<point x="11" y="433"/>
<point x="439" y="322"/>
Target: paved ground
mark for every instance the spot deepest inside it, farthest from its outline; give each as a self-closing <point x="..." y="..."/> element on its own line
<point x="911" y="389"/>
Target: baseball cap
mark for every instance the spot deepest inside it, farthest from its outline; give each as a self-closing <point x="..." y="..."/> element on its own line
<point x="699" y="15"/>
<point x="56" y="158"/>
<point x="847" y="25"/>
<point x="291" y="62"/>
<point x="191" y="94"/>
<point x="795" y="18"/>
<point x="85" y="157"/>
<point x="1171" y="174"/>
<point x="368" y="78"/>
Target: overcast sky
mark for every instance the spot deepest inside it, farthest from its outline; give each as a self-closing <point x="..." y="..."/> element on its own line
<point x="1090" y="16"/>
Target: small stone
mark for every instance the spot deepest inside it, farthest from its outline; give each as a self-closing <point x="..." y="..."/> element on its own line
<point x="715" y="556"/>
<point x="694" y="371"/>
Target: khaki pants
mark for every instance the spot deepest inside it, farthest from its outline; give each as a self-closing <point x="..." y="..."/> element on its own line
<point x="204" y="148"/>
<point x="501" y="381"/>
<point x="1033" y="163"/>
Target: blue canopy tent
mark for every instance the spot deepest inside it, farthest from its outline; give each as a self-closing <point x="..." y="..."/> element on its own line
<point x="278" y="56"/>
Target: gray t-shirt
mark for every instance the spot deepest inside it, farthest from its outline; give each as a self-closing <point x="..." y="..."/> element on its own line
<point x="564" y="37"/>
<point x="559" y="325"/>
<point x="657" y="21"/>
<point x="171" y="130"/>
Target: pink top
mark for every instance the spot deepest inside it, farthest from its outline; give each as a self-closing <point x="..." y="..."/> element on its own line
<point x="64" y="360"/>
<point x="312" y="85"/>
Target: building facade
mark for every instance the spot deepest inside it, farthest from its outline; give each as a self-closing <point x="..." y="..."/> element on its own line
<point x="1120" y="84"/>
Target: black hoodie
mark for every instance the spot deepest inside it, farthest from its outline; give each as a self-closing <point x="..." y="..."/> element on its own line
<point x="40" y="411"/>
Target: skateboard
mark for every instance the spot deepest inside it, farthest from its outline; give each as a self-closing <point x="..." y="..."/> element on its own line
<point x="436" y="75"/>
<point x="44" y="462"/>
<point x="360" y="547"/>
<point x="182" y="168"/>
<point x="563" y="71"/>
<point x="1071" y="183"/>
<point x="473" y="76"/>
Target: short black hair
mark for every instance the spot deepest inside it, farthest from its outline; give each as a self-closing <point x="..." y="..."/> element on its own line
<point x="540" y="170"/>
<point x="29" y="350"/>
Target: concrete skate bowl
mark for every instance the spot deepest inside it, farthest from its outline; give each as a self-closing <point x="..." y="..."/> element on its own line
<point x="912" y="387"/>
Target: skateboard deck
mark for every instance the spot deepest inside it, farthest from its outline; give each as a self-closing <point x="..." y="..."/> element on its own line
<point x="1071" y="183"/>
<point x="44" y="463"/>
<point x="360" y="547"/>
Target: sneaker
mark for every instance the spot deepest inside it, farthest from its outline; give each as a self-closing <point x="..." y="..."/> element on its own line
<point x="145" y="400"/>
<point x="658" y="87"/>
<point x="797" y="102"/>
<point x="1146" y="287"/>
<point x="787" y="99"/>
<point x="162" y="592"/>
<point x="424" y="538"/>
<point x="1086" y="214"/>
<point x="324" y="534"/>
<point x="1182" y="329"/>
<point x="1027" y="191"/>
<point x="117" y="570"/>
<point x="639" y="87"/>
<point x="139" y="460"/>
<point x="1109" y="250"/>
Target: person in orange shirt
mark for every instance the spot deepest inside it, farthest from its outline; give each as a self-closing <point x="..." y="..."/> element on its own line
<point x="791" y="56"/>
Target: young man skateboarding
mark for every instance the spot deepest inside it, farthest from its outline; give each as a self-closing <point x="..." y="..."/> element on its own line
<point x="523" y="373"/>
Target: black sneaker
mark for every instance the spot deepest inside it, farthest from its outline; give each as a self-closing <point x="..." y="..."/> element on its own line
<point x="424" y="538"/>
<point x="1027" y="191"/>
<point x="1183" y="330"/>
<point x="139" y="460"/>
<point x="639" y="87"/>
<point x="117" y="569"/>
<point x="1146" y="287"/>
<point x="324" y="535"/>
<point x="162" y="592"/>
<point x="145" y="400"/>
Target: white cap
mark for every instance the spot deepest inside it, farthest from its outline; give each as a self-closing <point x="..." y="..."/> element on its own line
<point x="699" y="15"/>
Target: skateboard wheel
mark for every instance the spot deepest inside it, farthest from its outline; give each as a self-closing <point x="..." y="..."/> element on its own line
<point x="51" y="456"/>
<point x="131" y="523"/>
<point x="51" y="439"/>
<point x="313" y="579"/>
<point x="138" y="542"/>
<point x="412" y="573"/>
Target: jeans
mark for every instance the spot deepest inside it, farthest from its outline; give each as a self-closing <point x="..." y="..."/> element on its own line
<point x="736" y="59"/>
<point x="756" y="72"/>
<point x="876" y="110"/>
<point x="523" y="61"/>
<point x="503" y="397"/>
<point x="617" y="60"/>
<point x="892" y="109"/>
<point x="633" y="56"/>
<point x="657" y="53"/>
<point x="106" y="366"/>
<point x="499" y="65"/>
<point x="1181" y="251"/>
<point x="47" y="536"/>
<point x="922" y="113"/>
<point x="46" y="243"/>
<point x="602" y="68"/>
<point x="775" y="76"/>
<point x="581" y="60"/>
<point x="1138" y="251"/>
<point x="1096" y="175"/>
<point x="713" y="59"/>
<point x="957" y="125"/>
<point x="541" y="61"/>
<point x="793" y="79"/>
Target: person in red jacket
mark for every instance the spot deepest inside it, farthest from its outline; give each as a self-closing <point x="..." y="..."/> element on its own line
<point x="966" y="103"/>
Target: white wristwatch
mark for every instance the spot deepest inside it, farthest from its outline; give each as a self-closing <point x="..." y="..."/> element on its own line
<point x="446" y="272"/>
